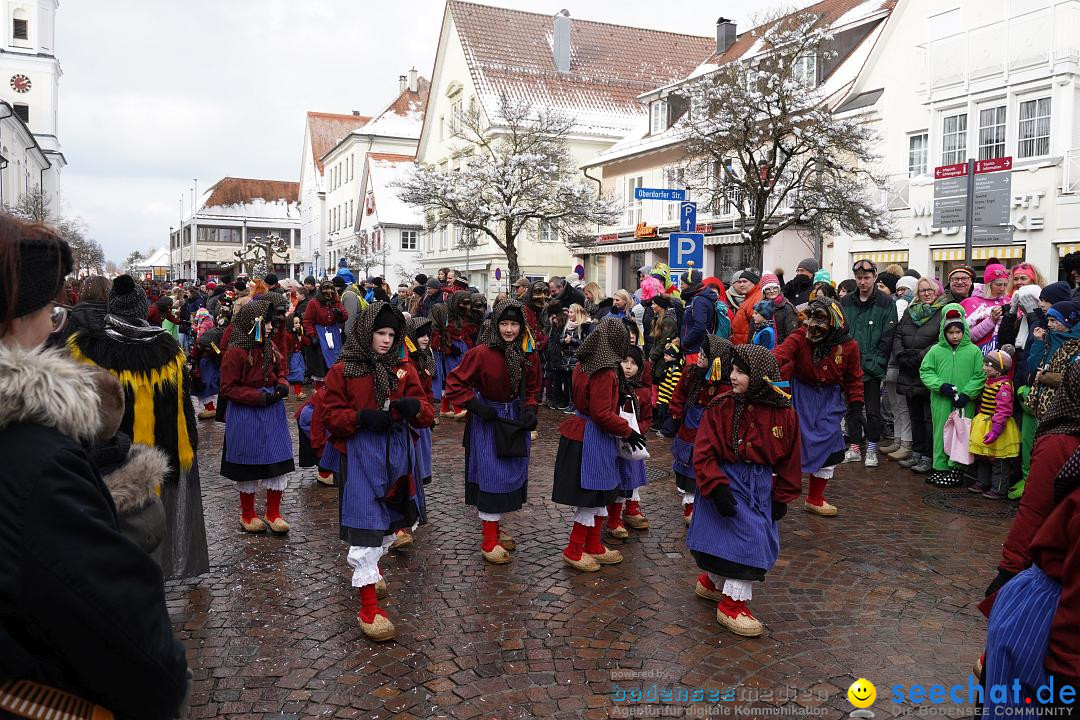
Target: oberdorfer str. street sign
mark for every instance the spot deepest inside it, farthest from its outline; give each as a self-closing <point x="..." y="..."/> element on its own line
<point x="659" y="194"/>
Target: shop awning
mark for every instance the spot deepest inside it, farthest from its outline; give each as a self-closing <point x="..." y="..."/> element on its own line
<point x="882" y="257"/>
<point x="1066" y="248"/>
<point x="1002" y="252"/>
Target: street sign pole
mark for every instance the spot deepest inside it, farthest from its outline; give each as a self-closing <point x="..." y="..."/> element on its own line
<point x="969" y="226"/>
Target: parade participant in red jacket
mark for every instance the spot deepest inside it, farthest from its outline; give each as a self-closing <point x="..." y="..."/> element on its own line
<point x="699" y="384"/>
<point x="632" y="477"/>
<point x="372" y="400"/>
<point x="324" y="318"/>
<point x="452" y="342"/>
<point x="497" y="381"/>
<point x="257" y="452"/>
<point x="824" y="367"/>
<point x="747" y="462"/>
<point x="586" y="471"/>
<point x="314" y="450"/>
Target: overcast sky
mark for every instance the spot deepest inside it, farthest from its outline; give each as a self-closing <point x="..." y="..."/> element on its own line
<point x="155" y="94"/>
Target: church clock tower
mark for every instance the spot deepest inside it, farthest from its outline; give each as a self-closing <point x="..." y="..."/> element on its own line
<point x="29" y="71"/>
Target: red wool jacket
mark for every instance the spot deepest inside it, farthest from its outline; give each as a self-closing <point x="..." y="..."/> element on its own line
<point x="532" y="319"/>
<point x="677" y="406"/>
<point x="767" y="436"/>
<point x="320" y="313"/>
<point x="425" y="382"/>
<point x="318" y="422"/>
<point x="595" y="396"/>
<point x="343" y="397"/>
<point x="842" y="366"/>
<point x="483" y="370"/>
<point x="1056" y="550"/>
<point x="242" y="375"/>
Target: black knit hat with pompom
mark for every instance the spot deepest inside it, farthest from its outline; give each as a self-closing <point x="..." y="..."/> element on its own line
<point x="127" y="299"/>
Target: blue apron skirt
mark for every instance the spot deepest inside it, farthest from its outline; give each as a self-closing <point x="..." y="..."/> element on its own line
<point x="444" y="365"/>
<point x="329" y="337"/>
<point x="422" y="464"/>
<point x="377" y="491"/>
<point x="331" y="458"/>
<point x="631" y="476"/>
<point x="437" y="378"/>
<point x="820" y="410"/>
<point x="257" y="442"/>
<point x="297" y="368"/>
<point x="1018" y="634"/>
<point x="494" y="484"/>
<point x="210" y="374"/>
<point x="745" y="546"/>
<point x="683" y="451"/>
<point x="586" y="473"/>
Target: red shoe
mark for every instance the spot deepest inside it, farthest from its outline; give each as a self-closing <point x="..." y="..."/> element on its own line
<point x="736" y="617"/>
<point x="707" y="589"/>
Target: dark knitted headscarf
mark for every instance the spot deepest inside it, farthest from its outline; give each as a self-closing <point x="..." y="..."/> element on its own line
<point x="826" y="309"/>
<point x="605" y="347"/>
<point x="360" y="359"/>
<point x="479" y="307"/>
<point x="248" y="332"/>
<point x="416" y="327"/>
<point x="713" y="348"/>
<point x="439" y="322"/>
<point x="513" y="352"/>
<point x="766" y="387"/>
<point x="454" y="311"/>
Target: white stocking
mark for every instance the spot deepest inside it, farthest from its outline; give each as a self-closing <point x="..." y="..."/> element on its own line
<point x="365" y="562"/>
<point x="636" y="497"/>
<point x="687" y="498"/>
<point x="738" y="589"/>
<point x="490" y="517"/>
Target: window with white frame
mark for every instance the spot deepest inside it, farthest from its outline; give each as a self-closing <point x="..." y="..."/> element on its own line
<point x="548" y="232"/>
<point x="457" y="110"/>
<point x="954" y="139"/>
<point x="658" y="115"/>
<point x="1034" y="136"/>
<point x="674" y="178"/>
<point x="992" y="132"/>
<point x="408" y="239"/>
<point x="633" y="206"/>
<point x="804" y="70"/>
<point x="918" y="154"/>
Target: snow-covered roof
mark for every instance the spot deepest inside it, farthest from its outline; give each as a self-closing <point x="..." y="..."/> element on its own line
<point x="404" y="117"/>
<point x="510" y="51"/>
<point x="257" y="199"/>
<point x="158" y="258"/>
<point x="328" y="129"/>
<point x="383" y="170"/>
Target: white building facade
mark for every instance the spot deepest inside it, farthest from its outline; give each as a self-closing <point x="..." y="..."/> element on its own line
<point x="30" y="151"/>
<point x="386" y="228"/>
<point x="974" y="79"/>
<point x="232" y="213"/>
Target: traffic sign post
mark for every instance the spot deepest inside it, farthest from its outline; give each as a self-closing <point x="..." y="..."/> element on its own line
<point x="966" y="195"/>
<point x="688" y="217"/>
<point x="686" y="251"/>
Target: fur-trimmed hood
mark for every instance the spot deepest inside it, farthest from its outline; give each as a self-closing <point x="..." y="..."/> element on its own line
<point x="47" y="387"/>
<point x="134" y="483"/>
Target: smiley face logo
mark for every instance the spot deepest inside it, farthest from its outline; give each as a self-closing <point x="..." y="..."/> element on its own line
<point x="862" y="693"/>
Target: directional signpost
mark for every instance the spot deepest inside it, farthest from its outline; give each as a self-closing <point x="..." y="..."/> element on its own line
<point x="976" y="196"/>
<point x="688" y="217"/>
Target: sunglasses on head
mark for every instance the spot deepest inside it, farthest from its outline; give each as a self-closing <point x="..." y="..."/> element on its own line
<point x="864" y="266"/>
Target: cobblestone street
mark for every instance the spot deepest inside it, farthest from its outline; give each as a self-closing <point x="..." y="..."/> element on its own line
<point x="885" y="591"/>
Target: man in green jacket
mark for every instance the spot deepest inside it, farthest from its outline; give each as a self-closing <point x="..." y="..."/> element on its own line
<point x="871" y="320"/>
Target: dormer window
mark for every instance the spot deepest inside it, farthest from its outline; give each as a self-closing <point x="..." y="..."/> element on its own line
<point x="658" y="117"/>
<point x="20" y="29"/>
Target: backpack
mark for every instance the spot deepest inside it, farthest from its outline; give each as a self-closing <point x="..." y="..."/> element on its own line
<point x="722" y="328"/>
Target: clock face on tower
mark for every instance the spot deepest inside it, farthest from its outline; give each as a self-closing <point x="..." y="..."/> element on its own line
<point x="20" y="83"/>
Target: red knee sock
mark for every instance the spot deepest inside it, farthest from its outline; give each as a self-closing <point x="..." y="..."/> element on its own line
<point x="688" y="509"/>
<point x="633" y="507"/>
<point x="444" y="404"/>
<point x="273" y="504"/>
<point x="733" y="608"/>
<point x="576" y="546"/>
<point x="318" y="385"/>
<point x="816" y="494"/>
<point x="296" y="389"/>
<point x="209" y="406"/>
<point x="490" y="531"/>
<point x="614" y="515"/>
<point x="593" y="545"/>
<point x="369" y="604"/>
<point x="247" y="506"/>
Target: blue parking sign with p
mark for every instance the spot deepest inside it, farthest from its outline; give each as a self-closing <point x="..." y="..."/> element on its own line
<point x="686" y="250"/>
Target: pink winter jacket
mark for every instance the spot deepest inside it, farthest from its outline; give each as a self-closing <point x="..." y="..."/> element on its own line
<point x="980" y="322"/>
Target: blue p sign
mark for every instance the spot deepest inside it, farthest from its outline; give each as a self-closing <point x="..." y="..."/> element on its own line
<point x="686" y="250"/>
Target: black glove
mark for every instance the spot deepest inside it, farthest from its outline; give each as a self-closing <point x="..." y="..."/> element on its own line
<point x="947" y="390"/>
<point x="336" y="314"/>
<point x="1003" y="577"/>
<point x="635" y="440"/>
<point x="373" y="420"/>
<point x="724" y="500"/>
<point x="528" y="418"/>
<point x="779" y="510"/>
<point x="406" y="407"/>
<point x="961" y="401"/>
<point x="270" y="398"/>
<point x="282" y="391"/>
<point x="857" y="406"/>
<point x="480" y="410"/>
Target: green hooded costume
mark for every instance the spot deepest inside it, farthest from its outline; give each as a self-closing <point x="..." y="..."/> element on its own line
<point x="961" y="367"/>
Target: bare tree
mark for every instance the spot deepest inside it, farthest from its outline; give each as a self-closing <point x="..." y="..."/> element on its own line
<point x="258" y="256"/>
<point x="32" y="206"/>
<point x="134" y="259"/>
<point x="368" y="253"/>
<point x="87" y="254"/>
<point x="509" y="174"/>
<point x="761" y="142"/>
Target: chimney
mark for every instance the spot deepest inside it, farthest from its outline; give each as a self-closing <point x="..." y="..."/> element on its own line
<point x="402" y="83"/>
<point x="413" y="84"/>
<point x="725" y="35"/>
<point x="356" y="113"/>
<point x="560" y="46"/>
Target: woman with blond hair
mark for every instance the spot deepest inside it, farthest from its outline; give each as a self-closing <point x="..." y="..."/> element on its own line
<point x="594" y="299"/>
<point x="577" y="328"/>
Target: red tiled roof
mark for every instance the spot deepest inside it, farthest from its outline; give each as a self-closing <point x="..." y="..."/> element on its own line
<point x="328" y="129"/>
<point x="240" y="191"/>
<point x="404" y="117"/>
<point x="610" y="65"/>
<point x="392" y="157"/>
<point x="829" y="10"/>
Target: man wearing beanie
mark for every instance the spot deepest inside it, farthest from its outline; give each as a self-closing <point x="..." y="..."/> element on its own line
<point x="961" y="283"/>
<point x="797" y="289"/>
<point x="871" y="320"/>
<point x="748" y="285"/>
<point x="128" y="301"/>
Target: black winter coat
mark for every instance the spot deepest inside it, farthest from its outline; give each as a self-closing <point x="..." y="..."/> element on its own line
<point x="81" y="607"/>
<point x="910" y="344"/>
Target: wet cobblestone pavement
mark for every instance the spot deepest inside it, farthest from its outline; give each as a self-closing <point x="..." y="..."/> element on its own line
<point x="884" y="591"/>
